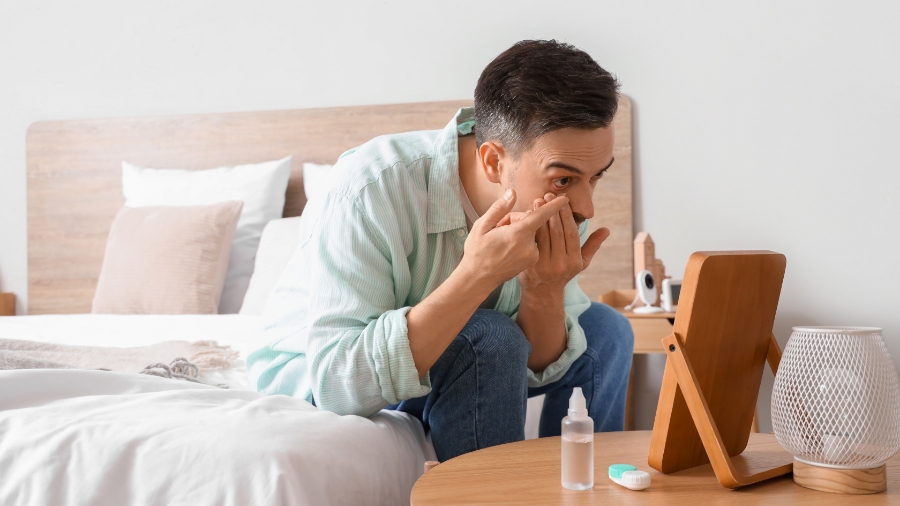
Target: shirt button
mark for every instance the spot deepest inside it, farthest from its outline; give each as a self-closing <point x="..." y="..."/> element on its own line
<point x="461" y="232"/>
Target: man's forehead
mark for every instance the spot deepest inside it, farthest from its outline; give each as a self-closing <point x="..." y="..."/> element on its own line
<point x="590" y="148"/>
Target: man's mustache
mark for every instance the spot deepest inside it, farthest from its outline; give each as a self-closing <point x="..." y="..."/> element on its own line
<point x="516" y="216"/>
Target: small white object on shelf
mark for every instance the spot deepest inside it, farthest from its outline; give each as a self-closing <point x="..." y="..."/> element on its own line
<point x="671" y="291"/>
<point x="646" y="292"/>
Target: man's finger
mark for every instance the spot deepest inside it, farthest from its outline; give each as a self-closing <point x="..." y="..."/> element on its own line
<point x="592" y="245"/>
<point x="515" y="216"/>
<point x="557" y="237"/>
<point x="490" y="220"/>
<point x="570" y="229"/>
<point x="537" y="218"/>
<point x="542" y="236"/>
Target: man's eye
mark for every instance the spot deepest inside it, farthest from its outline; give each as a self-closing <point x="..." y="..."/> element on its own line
<point x="561" y="182"/>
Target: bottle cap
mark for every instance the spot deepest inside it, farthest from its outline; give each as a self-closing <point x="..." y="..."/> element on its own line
<point x="629" y="477"/>
<point x="577" y="403"/>
<point x="616" y="470"/>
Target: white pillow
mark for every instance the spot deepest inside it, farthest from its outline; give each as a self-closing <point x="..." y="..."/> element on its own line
<point x="318" y="179"/>
<point x="278" y="242"/>
<point x="261" y="187"/>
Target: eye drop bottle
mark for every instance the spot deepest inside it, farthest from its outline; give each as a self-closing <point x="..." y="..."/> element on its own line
<point x="577" y="445"/>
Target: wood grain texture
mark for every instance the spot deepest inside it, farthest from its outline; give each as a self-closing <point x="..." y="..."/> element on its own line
<point x="648" y="334"/>
<point x="75" y="190"/>
<point x="732" y="472"/>
<point x="612" y="266"/>
<point x="74" y="173"/>
<point x="773" y="355"/>
<point x="7" y="304"/>
<point x="649" y="328"/>
<point x="841" y="481"/>
<point x="527" y="473"/>
<point x="724" y="322"/>
<point x="618" y="298"/>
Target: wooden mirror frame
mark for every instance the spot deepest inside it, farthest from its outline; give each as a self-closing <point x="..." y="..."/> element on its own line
<point x="716" y="354"/>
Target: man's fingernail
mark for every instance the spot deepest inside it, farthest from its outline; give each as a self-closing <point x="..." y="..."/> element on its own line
<point x="508" y="195"/>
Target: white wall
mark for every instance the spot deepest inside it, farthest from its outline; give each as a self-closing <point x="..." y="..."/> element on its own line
<point x="763" y="125"/>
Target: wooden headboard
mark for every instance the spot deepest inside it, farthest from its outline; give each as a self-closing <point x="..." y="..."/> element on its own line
<point x="75" y="179"/>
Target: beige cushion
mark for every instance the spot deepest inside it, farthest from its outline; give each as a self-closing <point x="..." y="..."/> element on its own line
<point x="166" y="259"/>
<point x="276" y="246"/>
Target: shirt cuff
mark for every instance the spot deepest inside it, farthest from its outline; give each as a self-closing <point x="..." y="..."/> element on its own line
<point x="394" y="365"/>
<point x="575" y="346"/>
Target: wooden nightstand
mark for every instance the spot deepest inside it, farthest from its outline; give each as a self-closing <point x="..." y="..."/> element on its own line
<point x="649" y="330"/>
<point x="7" y="304"/>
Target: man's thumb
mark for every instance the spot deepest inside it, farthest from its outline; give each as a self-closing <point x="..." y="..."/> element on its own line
<point x="593" y="244"/>
<point x="500" y="208"/>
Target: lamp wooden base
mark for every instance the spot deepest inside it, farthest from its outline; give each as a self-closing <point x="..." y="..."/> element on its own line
<point x="840" y="481"/>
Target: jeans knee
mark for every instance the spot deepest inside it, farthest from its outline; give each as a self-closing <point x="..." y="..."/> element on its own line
<point x="608" y="329"/>
<point x="495" y="336"/>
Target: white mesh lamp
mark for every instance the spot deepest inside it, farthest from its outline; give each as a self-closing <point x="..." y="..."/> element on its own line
<point x="836" y="408"/>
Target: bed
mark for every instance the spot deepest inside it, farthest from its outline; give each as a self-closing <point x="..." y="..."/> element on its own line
<point x="78" y="436"/>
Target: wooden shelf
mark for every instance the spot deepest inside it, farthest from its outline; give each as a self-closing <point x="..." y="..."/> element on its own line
<point x="649" y="329"/>
<point x="7" y="304"/>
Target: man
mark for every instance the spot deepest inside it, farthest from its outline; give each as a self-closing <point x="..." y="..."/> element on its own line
<point x="438" y="276"/>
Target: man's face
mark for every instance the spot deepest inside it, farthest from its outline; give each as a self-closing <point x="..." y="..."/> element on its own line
<point x="568" y="160"/>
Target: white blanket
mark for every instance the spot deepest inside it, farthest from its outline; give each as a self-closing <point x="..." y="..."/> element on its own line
<point x="73" y="437"/>
<point x="237" y="331"/>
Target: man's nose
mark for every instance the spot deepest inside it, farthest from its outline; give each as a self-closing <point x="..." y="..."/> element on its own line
<point x="582" y="204"/>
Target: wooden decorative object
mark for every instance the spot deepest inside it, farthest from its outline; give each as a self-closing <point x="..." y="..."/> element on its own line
<point x="7" y="304"/>
<point x="75" y="179"/>
<point x="645" y="259"/>
<point x="721" y="340"/>
<point x="841" y="481"/>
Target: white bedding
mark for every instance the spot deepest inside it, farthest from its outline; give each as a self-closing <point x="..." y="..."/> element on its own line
<point x="96" y="437"/>
<point x="233" y="330"/>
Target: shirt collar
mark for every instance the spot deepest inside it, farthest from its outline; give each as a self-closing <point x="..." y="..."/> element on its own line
<point x="444" y="209"/>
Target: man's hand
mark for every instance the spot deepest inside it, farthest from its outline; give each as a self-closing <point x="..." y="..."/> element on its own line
<point x="542" y="312"/>
<point x="497" y="250"/>
<point x="561" y="255"/>
<point x="493" y="254"/>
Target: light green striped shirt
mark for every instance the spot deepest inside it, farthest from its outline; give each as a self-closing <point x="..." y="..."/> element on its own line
<point x="381" y="240"/>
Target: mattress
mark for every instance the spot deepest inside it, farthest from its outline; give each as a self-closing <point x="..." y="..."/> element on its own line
<point x="98" y="437"/>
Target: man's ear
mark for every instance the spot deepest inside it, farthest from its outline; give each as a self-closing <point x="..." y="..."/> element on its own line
<point x="492" y="154"/>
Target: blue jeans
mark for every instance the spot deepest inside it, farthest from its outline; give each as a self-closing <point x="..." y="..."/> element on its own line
<point x="480" y="387"/>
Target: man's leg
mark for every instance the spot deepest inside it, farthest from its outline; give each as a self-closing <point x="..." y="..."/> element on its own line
<point x="479" y="388"/>
<point x="601" y="372"/>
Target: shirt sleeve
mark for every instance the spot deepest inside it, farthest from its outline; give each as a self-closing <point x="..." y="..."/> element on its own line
<point x="358" y="351"/>
<point x="576" y="302"/>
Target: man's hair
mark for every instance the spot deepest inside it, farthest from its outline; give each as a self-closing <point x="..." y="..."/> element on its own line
<point x="538" y="86"/>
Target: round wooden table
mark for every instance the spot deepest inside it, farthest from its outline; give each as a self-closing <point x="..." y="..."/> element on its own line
<point x="528" y="473"/>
